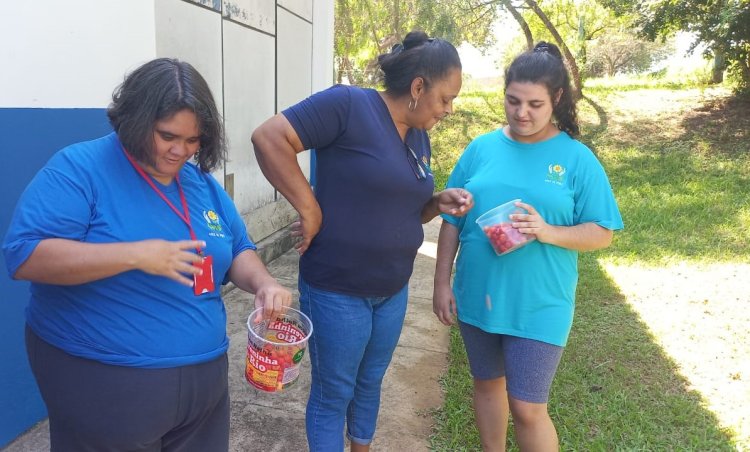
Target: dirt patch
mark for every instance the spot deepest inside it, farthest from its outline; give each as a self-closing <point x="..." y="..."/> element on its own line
<point x="724" y="120"/>
<point x="710" y="116"/>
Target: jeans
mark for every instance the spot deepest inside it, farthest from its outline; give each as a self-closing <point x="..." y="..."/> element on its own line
<point x="351" y="346"/>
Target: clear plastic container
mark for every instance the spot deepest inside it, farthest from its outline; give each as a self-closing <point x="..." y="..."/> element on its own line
<point x="275" y="348"/>
<point x="498" y="227"/>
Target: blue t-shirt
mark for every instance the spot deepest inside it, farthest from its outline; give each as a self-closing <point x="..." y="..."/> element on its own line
<point x="529" y="292"/>
<point x="90" y="192"/>
<point x="367" y="189"/>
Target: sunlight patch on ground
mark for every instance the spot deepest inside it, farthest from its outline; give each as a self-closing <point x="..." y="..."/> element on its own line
<point x="428" y="249"/>
<point x="700" y="316"/>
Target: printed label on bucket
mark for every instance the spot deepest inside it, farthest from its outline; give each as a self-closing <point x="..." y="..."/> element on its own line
<point x="285" y="332"/>
<point x="262" y="376"/>
<point x="275" y="349"/>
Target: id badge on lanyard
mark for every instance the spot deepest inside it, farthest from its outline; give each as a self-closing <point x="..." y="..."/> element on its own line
<point x="203" y="282"/>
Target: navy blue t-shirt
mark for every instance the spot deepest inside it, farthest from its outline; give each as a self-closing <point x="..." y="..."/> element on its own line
<point x="368" y="190"/>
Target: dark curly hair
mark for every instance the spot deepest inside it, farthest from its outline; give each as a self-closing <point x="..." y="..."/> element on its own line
<point x="157" y="90"/>
<point x="418" y="56"/>
<point x="544" y="65"/>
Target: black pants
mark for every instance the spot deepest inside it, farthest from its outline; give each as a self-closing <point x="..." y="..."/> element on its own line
<point x="100" y="407"/>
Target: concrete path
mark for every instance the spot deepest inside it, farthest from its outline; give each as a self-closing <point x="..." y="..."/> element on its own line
<point x="275" y="422"/>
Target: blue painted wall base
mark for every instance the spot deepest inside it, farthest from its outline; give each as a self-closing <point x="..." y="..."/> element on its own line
<point x="28" y="138"/>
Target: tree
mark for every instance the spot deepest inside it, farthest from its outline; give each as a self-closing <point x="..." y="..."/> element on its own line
<point x="723" y="26"/>
<point x="575" y="73"/>
<point x="365" y="29"/>
<point x="620" y="52"/>
<point x="508" y="6"/>
<point x="570" y="24"/>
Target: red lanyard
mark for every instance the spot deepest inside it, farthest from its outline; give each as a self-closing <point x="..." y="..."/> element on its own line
<point x="183" y="216"/>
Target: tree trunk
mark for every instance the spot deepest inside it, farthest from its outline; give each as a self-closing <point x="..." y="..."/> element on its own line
<point x="745" y="75"/>
<point x="397" y="21"/>
<point x="575" y="74"/>
<point x="717" y="71"/>
<point x="521" y="22"/>
<point x="340" y="71"/>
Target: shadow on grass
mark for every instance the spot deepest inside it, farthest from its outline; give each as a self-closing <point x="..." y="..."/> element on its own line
<point x="682" y="182"/>
<point x="615" y="388"/>
<point x="591" y="135"/>
<point x="725" y="122"/>
<point x="622" y="390"/>
<point x="678" y="206"/>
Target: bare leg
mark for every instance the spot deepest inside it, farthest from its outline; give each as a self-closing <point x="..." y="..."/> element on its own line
<point x="533" y="427"/>
<point x="360" y="447"/>
<point x="491" y="408"/>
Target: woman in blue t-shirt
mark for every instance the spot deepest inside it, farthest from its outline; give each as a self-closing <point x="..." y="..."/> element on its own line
<point x="515" y="310"/>
<point x="362" y="226"/>
<point x="126" y="240"/>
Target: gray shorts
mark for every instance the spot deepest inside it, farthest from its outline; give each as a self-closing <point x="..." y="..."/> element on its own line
<point x="527" y="364"/>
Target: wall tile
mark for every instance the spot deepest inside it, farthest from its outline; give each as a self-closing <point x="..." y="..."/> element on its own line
<point x="254" y="13"/>
<point x="295" y="66"/>
<point x="249" y="100"/>
<point x="303" y="8"/>
<point x="213" y="4"/>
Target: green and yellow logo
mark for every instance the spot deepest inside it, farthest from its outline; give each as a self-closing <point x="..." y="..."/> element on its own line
<point x="555" y="173"/>
<point x="212" y="220"/>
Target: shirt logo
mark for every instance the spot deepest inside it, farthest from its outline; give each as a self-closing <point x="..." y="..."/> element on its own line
<point x="212" y="220"/>
<point x="555" y="174"/>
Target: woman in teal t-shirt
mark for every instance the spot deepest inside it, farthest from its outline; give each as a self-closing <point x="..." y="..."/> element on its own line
<point x="515" y="310"/>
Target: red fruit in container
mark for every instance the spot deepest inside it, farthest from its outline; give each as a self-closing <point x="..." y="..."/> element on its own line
<point x="498" y="227"/>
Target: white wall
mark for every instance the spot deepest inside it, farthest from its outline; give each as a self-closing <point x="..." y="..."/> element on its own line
<point x="192" y="34"/>
<point x="294" y="46"/>
<point x="249" y="91"/>
<point x="322" y="63"/>
<point x="258" y="57"/>
<point x="71" y="54"/>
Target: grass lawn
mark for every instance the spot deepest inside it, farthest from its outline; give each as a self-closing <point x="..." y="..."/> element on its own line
<point x="658" y="357"/>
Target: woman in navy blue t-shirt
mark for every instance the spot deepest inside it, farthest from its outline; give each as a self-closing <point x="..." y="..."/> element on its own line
<point x="362" y="226"/>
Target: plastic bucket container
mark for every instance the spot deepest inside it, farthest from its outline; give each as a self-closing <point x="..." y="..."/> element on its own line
<point x="498" y="227"/>
<point x="275" y="348"/>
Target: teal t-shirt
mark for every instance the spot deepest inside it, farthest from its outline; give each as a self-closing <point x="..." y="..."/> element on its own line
<point x="529" y="292"/>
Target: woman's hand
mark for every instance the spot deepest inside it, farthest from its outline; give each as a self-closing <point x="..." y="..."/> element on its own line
<point x="532" y="223"/>
<point x="273" y="298"/>
<point x="580" y="237"/>
<point x="444" y="304"/>
<point x="249" y="274"/>
<point x="305" y="229"/>
<point x="455" y="201"/>
<point x="173" y="260"/>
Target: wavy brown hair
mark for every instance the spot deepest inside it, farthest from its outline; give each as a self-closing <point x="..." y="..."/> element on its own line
<point x="156" y="91"/>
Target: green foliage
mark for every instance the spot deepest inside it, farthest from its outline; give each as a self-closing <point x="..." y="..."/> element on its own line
<point x="722" y="26"/>
<point x="602" y="42"/>
<point x="364" y="29"/>
<point x="475" y="113"/>
<point x="621" y="52"/>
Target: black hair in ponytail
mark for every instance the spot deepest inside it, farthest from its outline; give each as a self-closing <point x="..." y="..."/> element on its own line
<point x="544" y="65"/>
<point x="418" y="56"/>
